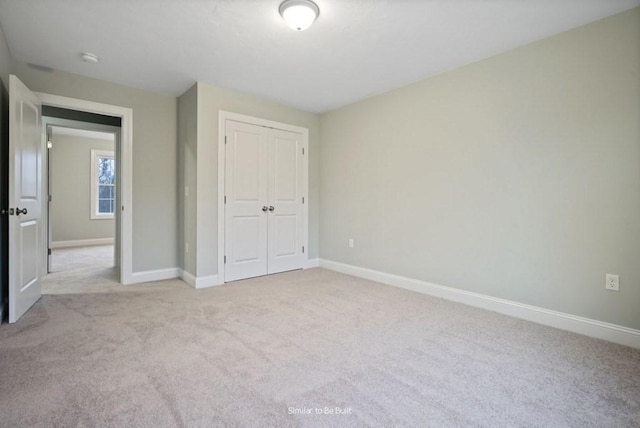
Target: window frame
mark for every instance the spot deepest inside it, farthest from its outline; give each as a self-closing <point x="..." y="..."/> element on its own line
<point x="95" y="155"/>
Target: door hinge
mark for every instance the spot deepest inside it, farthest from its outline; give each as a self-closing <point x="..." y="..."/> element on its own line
<point x="303" y="150"/>
<point x="49" y="251"/>
<point x="303" y="199"/>
<point x="225" y="259"/>
<point x="225" y="139"/>
<point x="49" y="198"/>
<point x="225" y="199"/>
<point x="303" y="250"/>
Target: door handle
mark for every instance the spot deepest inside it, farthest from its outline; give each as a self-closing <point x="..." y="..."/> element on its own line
<point x="21" y="211"/>
<point x="271" y="208"/>
<point x="264" y="208"/>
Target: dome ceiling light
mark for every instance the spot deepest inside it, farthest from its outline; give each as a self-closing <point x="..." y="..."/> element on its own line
<point x="299" y="14"/>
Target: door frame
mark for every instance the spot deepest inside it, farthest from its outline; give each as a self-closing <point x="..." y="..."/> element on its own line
<point x="126" y="171"/>
<point x="223" y="116"/>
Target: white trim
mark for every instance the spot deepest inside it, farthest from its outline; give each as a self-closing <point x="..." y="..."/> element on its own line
<point x="200" y="282"/>
<point x="154" y="275"/>
<point x="223" y="116"/>
<point x="126" y="169"/>
<point x="312" y="263"/>
<point x="208" y="281"/>
<point x="222" y="131"/>
<point x="95" y="154"/>
<point x="82" y="243"/>
<point x="188" y="278"/>
<point x="586" y="326"/>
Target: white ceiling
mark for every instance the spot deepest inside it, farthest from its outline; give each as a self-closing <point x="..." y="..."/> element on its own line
<point x="356" y="48"/>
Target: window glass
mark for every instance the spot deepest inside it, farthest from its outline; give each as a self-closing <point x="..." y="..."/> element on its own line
<point x="106" y="173"/>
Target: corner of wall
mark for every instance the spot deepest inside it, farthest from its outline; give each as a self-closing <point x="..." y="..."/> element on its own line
<point x="187" y="180"/>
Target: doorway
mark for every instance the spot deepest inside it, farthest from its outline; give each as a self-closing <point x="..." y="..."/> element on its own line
<point x="122" y="119"/>
<point x="83" y="189"/>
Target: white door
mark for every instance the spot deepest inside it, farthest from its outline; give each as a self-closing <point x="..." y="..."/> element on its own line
<point x="246" y="207"/>
<point x="25" y="199"/>
<point x="264" y="223"/>
<point x="285" y="225"/>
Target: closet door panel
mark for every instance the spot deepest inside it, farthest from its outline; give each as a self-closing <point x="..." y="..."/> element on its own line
<point x="246" y="191"/>
<point x="285" y="196"/>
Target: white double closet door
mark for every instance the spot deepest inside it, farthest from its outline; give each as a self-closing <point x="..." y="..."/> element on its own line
<point x="264" y="222"/>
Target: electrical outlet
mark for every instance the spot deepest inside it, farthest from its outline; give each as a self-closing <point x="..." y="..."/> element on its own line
<point x="351" y="243"/>
<point x="612" y="282"/>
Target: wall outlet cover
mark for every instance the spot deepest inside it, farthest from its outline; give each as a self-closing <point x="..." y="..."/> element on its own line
<point x="612" y="282"/>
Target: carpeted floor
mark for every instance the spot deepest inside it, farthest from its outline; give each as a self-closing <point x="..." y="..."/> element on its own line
<point x="82" y="259"/>
<point x="266" y="351"/>
<point x="81" y="270"/>
<point x="90" y="270"/>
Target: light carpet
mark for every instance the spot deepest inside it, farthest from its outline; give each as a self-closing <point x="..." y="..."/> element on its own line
<point x="288" y="349"/>
<point x="90" y="270"/>
<point x="81" y="270"/>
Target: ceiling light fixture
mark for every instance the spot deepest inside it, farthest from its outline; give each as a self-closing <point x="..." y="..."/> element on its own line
<point x="299" y="14"/>
<point x="89" y="57"/>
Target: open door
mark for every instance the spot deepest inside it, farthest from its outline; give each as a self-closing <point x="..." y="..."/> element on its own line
<point x="25" y="199"/>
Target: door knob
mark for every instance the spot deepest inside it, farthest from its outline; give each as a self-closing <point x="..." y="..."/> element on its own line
<point x="264" y="209"/>
<point x="271" y="208"/>
<point x="21" y="211"/>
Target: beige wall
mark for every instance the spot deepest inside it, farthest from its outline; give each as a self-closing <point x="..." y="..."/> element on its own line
<point x="516" y="177"/>
<point x="210" y="100"/>
<point x="70" y="169"/>
<point x="155" y="224"/>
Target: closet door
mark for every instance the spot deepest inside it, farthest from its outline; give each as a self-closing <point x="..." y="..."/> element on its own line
<point x="246" y="208"/>
<point x="285" y="228"/>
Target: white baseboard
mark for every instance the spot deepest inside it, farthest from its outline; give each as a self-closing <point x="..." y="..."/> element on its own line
<point x="311" y="263"/>
<point x="586" y="326"/>
<point x="82" y="243"/>
<point x="188" y="278"/>
<point x="200" y="282"/>
<point x="154" y="275"/>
